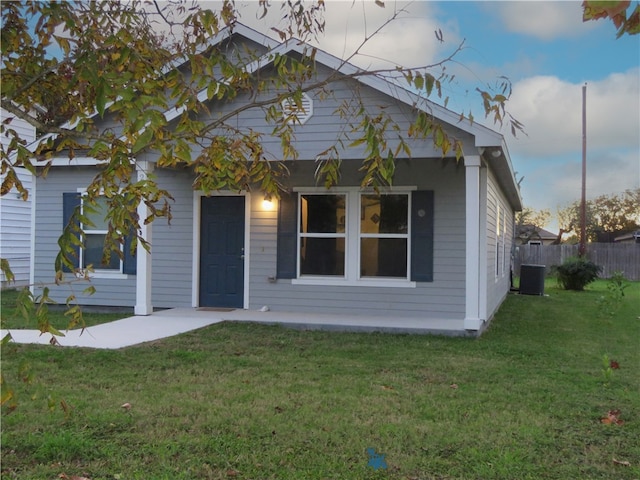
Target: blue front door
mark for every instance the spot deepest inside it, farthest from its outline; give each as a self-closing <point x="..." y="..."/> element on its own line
<point x="222" y="252"/>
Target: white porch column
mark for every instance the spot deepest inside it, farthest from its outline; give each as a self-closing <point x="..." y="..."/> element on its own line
<point x="472" y="320"/>
<point x="143" y="258"/>
<point x="484" y="271"/>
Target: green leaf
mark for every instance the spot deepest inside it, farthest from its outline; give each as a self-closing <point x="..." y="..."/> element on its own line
<point x="101" y="98"/>
<point x="430" y="81"/>
<point x="357" y="142"/>
<point x="5" y="340"/>
<point x="90" y="290"/>
<point x="6" y="270"/>
<point x="419" y="82"/>
<point x="142" y="141"/>
<point x="54" y="331"/>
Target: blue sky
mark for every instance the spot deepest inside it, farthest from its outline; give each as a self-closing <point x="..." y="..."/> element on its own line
<point x="546" y="51"/>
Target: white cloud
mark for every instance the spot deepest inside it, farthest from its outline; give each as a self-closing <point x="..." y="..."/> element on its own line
<point x="407" y="41"/>
<point x="550" y="157"/>
<point x="551" y="110"/>
<point x="559" y="183"/>
<point x="542" y="20"/>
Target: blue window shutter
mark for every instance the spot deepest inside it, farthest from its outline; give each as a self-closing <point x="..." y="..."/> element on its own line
<point x="422" y="236"/>
<point x="287" y="249"/>
<point x="129" y="263"/>
<point x="70" y="202"/>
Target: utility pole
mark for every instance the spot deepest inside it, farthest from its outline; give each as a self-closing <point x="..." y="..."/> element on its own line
<point x="582" y="248"/>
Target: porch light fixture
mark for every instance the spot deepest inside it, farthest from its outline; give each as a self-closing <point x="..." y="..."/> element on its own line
<point x="496" y="153"/>
<point x="267" y="203"/>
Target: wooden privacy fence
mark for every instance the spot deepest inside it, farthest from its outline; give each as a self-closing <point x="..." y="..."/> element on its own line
<point x="612" y="257"/>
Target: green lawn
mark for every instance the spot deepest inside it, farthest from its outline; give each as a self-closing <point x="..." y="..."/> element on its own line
<point x="12" y="319"/>
<point x="242" y="401"/>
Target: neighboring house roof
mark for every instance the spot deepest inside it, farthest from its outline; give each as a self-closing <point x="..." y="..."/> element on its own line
<point x="629" y="237"/>
<point x="486" y="140"/>
<point x="531" y="232"/>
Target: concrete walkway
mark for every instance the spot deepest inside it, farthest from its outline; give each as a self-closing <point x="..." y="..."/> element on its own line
<point x="167" y="323"/>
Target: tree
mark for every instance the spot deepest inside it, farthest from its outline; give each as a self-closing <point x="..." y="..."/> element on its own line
<point x="116" y="59"/>
<point x="530" y="221"/>
<point x="624" y="16"/>
<point x="67" y="64"/>
<point x="608" y="216"/>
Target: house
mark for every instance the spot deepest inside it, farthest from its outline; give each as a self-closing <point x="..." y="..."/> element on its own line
<point x="531" y="235"/>
<point x="435" y="247"/>
<point x="15" y="212"/>
<point x="633" y="237"/>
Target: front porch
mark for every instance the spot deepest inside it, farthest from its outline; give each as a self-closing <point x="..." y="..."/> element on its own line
<point x="139" y="329"/>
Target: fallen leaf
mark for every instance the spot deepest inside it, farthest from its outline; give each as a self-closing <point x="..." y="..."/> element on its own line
<point x="387" y="387"/>
<point x="624" y="463"/>
<point x="65" y="407"/>
<point x="454" y="386"/>
<point x="126" y="406"/>
<point x="614" y="365"/>
<point x="612" y="418"/>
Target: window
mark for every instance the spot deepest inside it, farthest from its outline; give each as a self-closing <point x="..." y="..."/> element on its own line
<point x="354" y="237"/>
<point x="95" y="233"/>
<point x="322" y="234"/>
<point x="500" y="241"/>
<point x="384" y="235"/>
<point x="94" y="236"/>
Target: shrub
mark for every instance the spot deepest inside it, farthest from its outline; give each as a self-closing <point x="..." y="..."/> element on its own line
<point x="576" y="273"/>
<point x="616" y="286"/>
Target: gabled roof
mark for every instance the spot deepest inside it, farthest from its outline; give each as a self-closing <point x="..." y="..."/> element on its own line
<point x="486" y="139"/>
<point x="532" y="230"/>
<point x="490" y="143"/>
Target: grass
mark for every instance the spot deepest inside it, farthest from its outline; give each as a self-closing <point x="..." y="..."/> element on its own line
<point x="11" y="317"/>
<point x="246" y="401"/>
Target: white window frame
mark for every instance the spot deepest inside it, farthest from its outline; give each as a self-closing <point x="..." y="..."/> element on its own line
<point x="96" y="273"/>
<point x="335" y="235"/>
<point x="352" y="244"/>
<point x="405" y="236"/>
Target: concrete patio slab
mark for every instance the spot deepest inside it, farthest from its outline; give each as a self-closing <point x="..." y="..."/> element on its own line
<point x="135" y="330"/>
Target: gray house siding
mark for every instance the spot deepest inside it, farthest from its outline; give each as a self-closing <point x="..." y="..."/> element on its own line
<point x="443" y="298"/>
<point x="48" y="228"/>
<point x="172" y="243"/>
<point x="325" y="126"/>
<point x="439" y="295"/>
<point x="499" y="244"/>
<point x="172" y="252"/>
<point x="15" y="237"/>
<point x="15" y="213"/>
